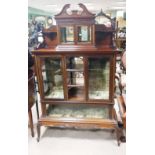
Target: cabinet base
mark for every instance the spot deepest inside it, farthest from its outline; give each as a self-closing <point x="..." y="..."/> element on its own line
<point x="79" y="124"/>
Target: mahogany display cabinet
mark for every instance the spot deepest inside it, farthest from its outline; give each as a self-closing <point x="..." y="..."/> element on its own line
<point x="75" y="68"/>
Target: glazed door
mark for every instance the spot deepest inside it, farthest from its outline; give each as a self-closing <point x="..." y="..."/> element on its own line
<point x="98" y="78"/>
<point x="52" y="77"/>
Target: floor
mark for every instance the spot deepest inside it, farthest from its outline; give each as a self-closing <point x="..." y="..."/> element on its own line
<point x="55" y="141"/>
<point x="75" y="142"/>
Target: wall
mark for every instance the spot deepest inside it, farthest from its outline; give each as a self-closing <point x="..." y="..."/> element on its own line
<point x="33" y="12"/>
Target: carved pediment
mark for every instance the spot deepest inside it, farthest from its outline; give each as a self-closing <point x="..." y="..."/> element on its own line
<point x="80" y="12"/>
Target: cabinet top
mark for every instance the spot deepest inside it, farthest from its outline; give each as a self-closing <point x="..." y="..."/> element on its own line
<point x="76" y="31"/>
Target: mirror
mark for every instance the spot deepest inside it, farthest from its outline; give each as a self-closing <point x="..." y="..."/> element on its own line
<point x="67" y="34"/>
<point x="84" y="33"/>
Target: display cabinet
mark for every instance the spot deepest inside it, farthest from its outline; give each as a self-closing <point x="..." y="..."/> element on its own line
<point x="75" y="70"/>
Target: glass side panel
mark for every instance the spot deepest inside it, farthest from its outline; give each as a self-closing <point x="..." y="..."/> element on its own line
<point x="99" y="76"/>
<point x="52" y="78"/>
<point x="84" y="33"/>
<point x="75" y="77"/>
<point x="67" y="34"/>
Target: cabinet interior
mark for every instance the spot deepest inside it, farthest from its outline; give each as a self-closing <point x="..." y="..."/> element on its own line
<point x="98" y="71"/>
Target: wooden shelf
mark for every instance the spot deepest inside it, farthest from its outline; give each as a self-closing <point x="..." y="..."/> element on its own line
<point x="75" y="85"/>
<point x="76" y="98"/>
<point x="55" y="71"/>
<point x="75" y="70"/>
<point x="103" y="28"/>
<point x="121" y="39"/>
<point x="97" y="69"/>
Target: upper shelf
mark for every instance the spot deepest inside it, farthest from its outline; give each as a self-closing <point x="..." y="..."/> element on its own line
<point x="103" y="28"/>
<point x="75" y="70"/>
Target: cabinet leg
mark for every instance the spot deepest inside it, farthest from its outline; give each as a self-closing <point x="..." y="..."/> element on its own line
<point x="112" y="131"/>
<point x="123" y="139"/>
<point x="31" y="122"/>
<point x="37" y="109"/>
<point x="118" y="135"/>
<point x="38" y="132"/>
<point x="123" y="136"/>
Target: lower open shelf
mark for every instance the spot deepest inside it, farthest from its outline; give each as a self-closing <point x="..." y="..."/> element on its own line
<point x="78" y="116"/>
<point x="78" y="111"/>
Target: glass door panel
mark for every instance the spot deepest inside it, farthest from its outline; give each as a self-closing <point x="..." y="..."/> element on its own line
<point x="99" y="77"/>
<point x="84" y="34"/>
<point x="52" y="78"/>
<point x="67" y="34"/>
<point x="75" y="78"/>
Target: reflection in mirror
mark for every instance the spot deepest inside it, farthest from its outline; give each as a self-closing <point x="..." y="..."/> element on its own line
<point x="84" y="33"/>
<point x="99" y="77"/>
<point x="67" y="34"/>
<point x="52" y="78"/>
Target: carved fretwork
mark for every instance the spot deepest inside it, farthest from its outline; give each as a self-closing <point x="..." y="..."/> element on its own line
<point x="63" y="11"/>
<point x="74" y="13"/>
<point x="84" y="16"/>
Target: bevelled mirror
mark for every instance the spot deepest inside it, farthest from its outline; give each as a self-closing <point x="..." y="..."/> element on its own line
<point x="67" y="34"/>
<point x="84" y="34"/>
